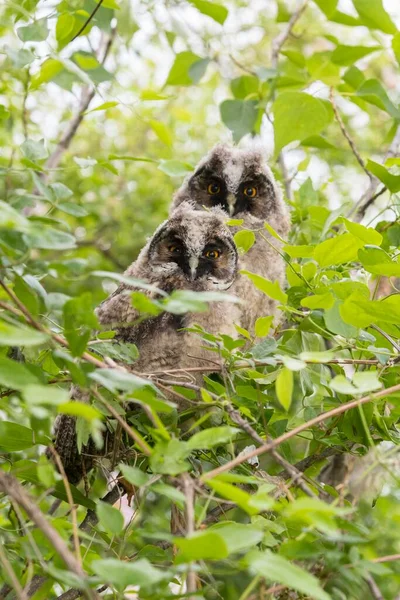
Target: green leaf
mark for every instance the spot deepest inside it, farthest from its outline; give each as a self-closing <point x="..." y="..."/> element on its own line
<point x="216" y="11"/>
<point x="317" y="357"/>
<point x="362" y="383"/>
<point x="15" y="375"/>
<point x="179" y="73"/>
<point x="14" y="437"/>
<point x="19" y="58"/>
<point x="103" y="106"/>
<point x="201" y="545"/>
<point x="244" y="240"/>
<point x="396" y="46"/>
<point x="198" y="69"/>
<point x="235" y="494"/>
<point x="373" y="15"/>
<point x="72" y="209"/>
<point x="244" y="86"/>
<point x="20" y="336"/>
<point x="34" y="32"/>
<point x="175" y="168"/>
<point x="48" y="238"/>
<point x="348" y="55"/>
<point x="299" y="251"/>
<point x="162" y="132"/>
<point x="238" y="536"/>
<point x="239" y="116"/>
<point x="361" y="312"/>
<point x="272" y="290"/>
<point x="263" y="325"/>
<point x="79" y="409"/>
<point x="318" y="301"/>
<point x="392" y="182"/>
<point x="377" y="261"/>
<point x="170" y="457"/>
<point x="277" y="569"/>
<point x="34" y="151"/>
<point x="35" y="394"/>
<point x="110" y="518"/>
<point x="215" y="436"/>
<point x="337" y="250"/>
<point x="64" y="28"/>
<point x="297" y="116"/>
<point x="49" y="70"/>
<point x="116" y="380"/>
<point x="134" y="475"/>
<point x="367" y="234"/>
<point x="121" y="574"/>
<point x="284" y="388"/>
<point x="373" y="92"/>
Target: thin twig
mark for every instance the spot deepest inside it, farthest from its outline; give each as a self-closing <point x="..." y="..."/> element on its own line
<point x="20" y="593"/>
<point x="189" y="504"/>
<point x="359" y="209"/>
<point x="299" y="429"/>
<point x="347" y="135"/>
<point x="278" y="42"/>
<point x="75" y="534"/>
<point x="12" y="488"/>
<point x="86" y="98"/>
<point x="134" y="435"/>
<point x="373" y="586"/>
<point x="386" y="336"/>
<point x="87" y="21"/>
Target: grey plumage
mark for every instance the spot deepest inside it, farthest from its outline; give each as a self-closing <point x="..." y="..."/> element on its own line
<point x="228" y="177"/>
<point x="191" y="251"/>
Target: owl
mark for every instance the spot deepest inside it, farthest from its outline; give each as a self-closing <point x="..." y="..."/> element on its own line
<point x="191" y="251"/>
<point x="240" y="182"/>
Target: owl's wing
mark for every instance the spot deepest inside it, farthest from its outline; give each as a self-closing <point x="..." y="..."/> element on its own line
<point x="117" y="310"/>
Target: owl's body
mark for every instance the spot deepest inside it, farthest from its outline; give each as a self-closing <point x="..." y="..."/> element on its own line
<point x="241" y="184"/>
<point x="190" y="251"/>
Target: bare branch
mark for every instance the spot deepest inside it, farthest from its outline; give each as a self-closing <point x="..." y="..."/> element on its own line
<point x="13" y="489"/>
<point x="86" y="98"/>
<point x="100" y="2"/>
<point x="278" y="42"/>
<point x="347" y="135"/>
<point x="300" y="428"/>
<point x="189" y="496"/>
<point x="360" y="207"/>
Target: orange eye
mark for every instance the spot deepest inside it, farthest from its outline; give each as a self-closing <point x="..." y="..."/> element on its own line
<point x="174" y="249"/>
<point x="213" y="254"/>
<point x="213" y="189"/>
<point x="250" y="191"/>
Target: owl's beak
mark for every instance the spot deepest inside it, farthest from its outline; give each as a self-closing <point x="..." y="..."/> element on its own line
<point x="231" y="200"/>
<point x="193" y="264"/>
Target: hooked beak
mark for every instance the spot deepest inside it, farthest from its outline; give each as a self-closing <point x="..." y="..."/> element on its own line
<point x="231" y="200"/>
<point x="193" y="264"/>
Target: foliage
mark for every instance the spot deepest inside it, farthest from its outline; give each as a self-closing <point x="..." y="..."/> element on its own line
<point x="104" y="108"/>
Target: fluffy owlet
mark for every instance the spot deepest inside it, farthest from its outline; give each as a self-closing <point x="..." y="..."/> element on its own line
<point x="240" y="182"/>
<point x="191" y="251"/>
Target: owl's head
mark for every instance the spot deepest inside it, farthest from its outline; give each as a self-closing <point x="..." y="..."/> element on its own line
<point x="195" y="249"/>
<point x="237" y="180"/>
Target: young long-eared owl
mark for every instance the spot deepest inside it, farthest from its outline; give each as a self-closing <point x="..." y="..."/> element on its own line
<point x="240" y="182"/>
<point x="191" y="251"/>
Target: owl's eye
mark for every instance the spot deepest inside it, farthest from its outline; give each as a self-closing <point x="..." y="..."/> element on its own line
<point x="250" y="191"/>
<point x="213" y="254"/>
<point x="174" y="249"/>
<point x="213" y="188"/>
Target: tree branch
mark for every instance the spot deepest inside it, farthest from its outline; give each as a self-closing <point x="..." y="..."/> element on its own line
<point x="347" y="135"/>
<point x="299" y="429"/>
<point x="12" y="488"/>
<point x="87" y="96"/>
<point x="359" y="209"/>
